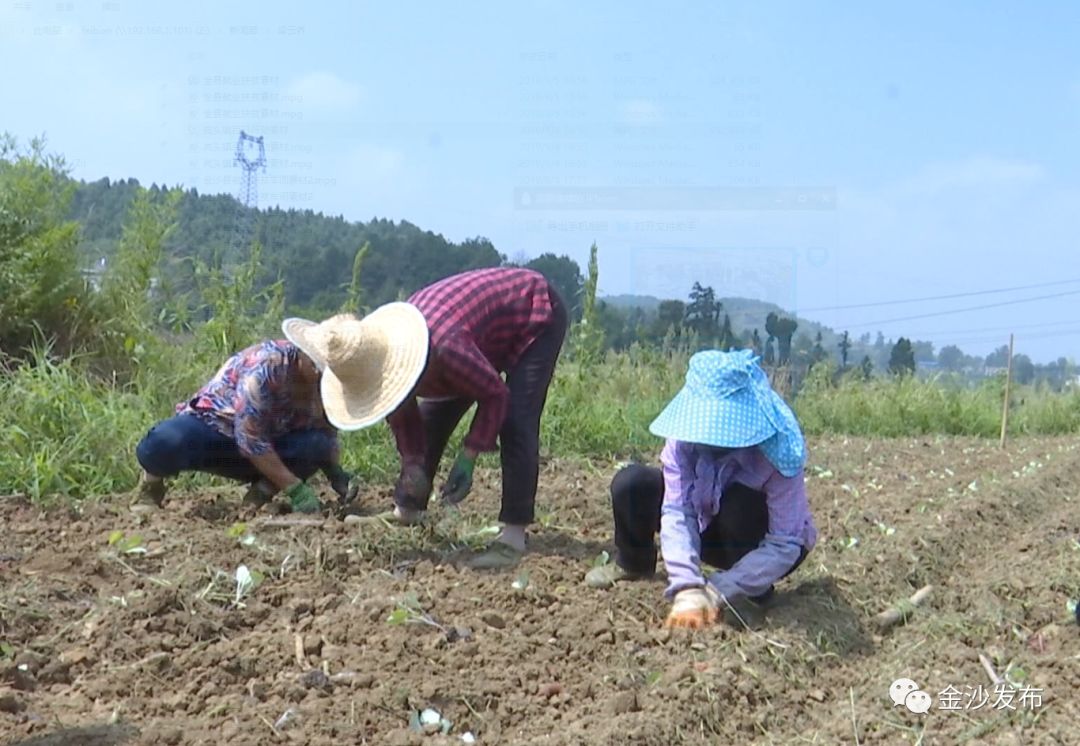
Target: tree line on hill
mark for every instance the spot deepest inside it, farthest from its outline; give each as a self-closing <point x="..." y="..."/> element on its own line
<point x="314" y="252"/>
<point x="320" y="264"/>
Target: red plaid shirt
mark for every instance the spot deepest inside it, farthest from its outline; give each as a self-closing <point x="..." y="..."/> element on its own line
<point x="480" y="323"/>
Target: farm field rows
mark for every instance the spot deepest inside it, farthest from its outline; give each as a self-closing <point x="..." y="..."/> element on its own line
<point x="122" y="630"/>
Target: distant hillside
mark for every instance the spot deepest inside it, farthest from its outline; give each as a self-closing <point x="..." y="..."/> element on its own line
<point x="746" y="314"/>
<point x="644" y="302"/>
<point x="313" y="251"/>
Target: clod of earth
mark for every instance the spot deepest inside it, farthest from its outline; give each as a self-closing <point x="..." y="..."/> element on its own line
<point x="493" y="619"/>
<point x="455" y="634"/>
<point x="625" y="702"/>
<point x="316" y="679"/>
<point x="549" y="690"/>
<point x="12" y="704"/>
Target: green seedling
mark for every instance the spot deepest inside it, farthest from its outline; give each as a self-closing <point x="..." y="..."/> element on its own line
<point x="246" y="582"/>
<point x="6" y="651"/>
<point x="601" y="559"/>
<point x="127" y="544"/>
<point x="1015" y="675"/>
<point x="546" y="519"/>
<point x="239" y="531"/>
<point x="521" y="582"/>
<point x="887" y="530"/>
<point x="409" y="611"/>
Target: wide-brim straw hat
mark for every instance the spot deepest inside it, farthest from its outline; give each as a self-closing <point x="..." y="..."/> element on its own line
<point x="727" y="402"/>
<point x="369" y="365"/>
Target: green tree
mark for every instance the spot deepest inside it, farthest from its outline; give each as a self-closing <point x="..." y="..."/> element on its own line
<point x="866" y="368"/>
<point x="817" y="353"/>
<point x="669" y="315"/>
<point x="951" y="358"/>
<point x="845" y="348"/>
<point x="354" y="301"/>
<point x="40" y="285"/>
<point x="755" y="342"/>
<point x="924" y="351"/>
<point x="565" y="274"/>
<point x="703" y="313"/>
<point x="1023" y="369"/>
<point x="727" y="334"/>
<point x="902" y="358"/>
<point x="590" y="336"/>
<point x="782" y="329"/>
<point x="127" y="305"/>
<point x="999" y="358"/>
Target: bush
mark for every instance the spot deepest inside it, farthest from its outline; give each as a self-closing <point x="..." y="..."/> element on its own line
<point x="40" y="285"/>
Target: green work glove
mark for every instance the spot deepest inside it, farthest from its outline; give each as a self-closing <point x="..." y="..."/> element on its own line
<point x="459" y="482"/>
<point x="342" y="483"/>
<point x="302" y="498"/>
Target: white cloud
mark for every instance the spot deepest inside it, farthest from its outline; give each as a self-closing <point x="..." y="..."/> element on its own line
<point x="640" y="112"/>
<point x="324" y="90"/>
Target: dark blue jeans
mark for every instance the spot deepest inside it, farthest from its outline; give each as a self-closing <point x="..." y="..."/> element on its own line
<point x="185" y="443"/>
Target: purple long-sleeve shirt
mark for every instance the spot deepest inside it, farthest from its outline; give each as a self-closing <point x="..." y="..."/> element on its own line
<point x="694" y="481"/>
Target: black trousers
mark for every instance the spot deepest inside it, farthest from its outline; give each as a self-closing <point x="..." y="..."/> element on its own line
<point x="519" y="438"/>
<point x="637" y="494"/>
<point x="186" y="443"/>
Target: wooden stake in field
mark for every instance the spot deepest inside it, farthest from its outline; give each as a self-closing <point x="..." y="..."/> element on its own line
<point x="1005" y="406"/>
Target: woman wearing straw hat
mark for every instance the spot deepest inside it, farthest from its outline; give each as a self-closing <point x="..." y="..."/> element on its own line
<point x="731" y="493"/>
<point x="268" y="416"/>
<point x="479" y="324"/>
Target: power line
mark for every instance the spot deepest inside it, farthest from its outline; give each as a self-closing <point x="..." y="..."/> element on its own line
<point x="939" y="297"/>
<point x="962" y="310"/>
<point x="1019" y="338"/>
<point x="1014" y="327"/>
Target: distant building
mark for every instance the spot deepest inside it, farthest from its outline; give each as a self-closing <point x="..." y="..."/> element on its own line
<point x="93" y="274"/>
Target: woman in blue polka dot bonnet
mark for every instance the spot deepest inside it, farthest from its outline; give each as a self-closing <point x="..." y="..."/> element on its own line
<point x="730" y="493"/>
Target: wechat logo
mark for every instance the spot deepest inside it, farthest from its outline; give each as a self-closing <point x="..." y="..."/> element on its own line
<point x="907" y="693"/>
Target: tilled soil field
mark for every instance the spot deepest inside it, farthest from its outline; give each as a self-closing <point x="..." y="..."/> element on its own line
<point x="119" y="630"/>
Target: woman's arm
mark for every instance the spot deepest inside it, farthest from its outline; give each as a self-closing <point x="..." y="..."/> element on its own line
<point x="680" y="538"/>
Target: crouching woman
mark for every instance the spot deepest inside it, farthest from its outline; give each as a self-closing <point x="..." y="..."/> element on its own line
<point x="730" y="493"/>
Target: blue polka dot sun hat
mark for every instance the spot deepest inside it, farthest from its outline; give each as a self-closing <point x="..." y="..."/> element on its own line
<point x="727" y="402"/>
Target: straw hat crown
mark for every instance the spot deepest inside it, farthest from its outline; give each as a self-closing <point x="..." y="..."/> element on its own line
<point x="368" y="365"/>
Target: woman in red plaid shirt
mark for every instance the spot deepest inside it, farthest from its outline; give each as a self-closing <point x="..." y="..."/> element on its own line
<point x="482" y="323"/>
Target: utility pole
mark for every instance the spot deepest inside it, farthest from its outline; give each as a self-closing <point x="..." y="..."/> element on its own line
<point x="1005" y="406"/>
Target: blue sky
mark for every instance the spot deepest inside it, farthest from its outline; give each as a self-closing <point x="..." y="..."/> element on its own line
<point x="934" y="146"/>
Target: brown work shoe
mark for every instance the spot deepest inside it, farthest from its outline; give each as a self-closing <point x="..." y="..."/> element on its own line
<point x="259" y="493"/>
<point x="150" y="496"/>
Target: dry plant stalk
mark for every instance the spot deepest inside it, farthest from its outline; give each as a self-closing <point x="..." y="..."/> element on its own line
<point x="900" y="613"/>
<point x="994" y="678"/>
<point x="298" y="647"/>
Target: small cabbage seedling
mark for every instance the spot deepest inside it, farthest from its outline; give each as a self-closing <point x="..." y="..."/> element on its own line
<point x="127" y="544"/>
<point x="246" y="582"/>
<point x="409" y="610"/>
<point x="239" y="531"/>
